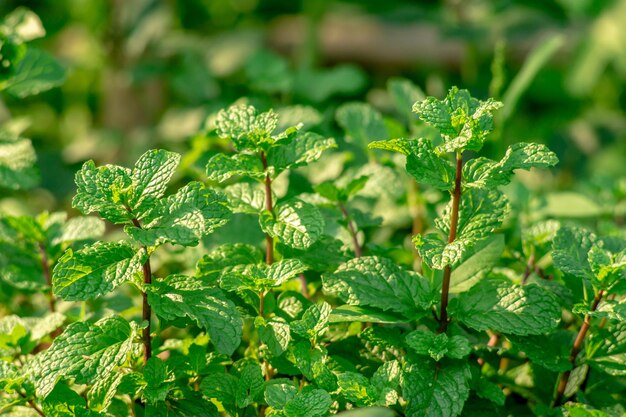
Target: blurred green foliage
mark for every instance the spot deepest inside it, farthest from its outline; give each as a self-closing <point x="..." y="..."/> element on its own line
<point x="147" y="73"/>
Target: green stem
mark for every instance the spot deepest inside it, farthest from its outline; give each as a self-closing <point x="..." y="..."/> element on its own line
<point x="454" y="220"/>
<point x="578" y="344"/>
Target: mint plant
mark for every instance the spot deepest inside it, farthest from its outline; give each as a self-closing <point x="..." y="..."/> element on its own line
<point x="303" y="316"/>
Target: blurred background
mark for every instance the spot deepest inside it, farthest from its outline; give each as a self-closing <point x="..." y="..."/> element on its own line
<point x="148" y="73"/>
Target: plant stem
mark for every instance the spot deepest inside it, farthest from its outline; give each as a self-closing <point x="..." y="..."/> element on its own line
<point x="269" y="241"/>
<point x="32" y="405"/>
<point x="146" y="314"/>
<point x="578" y="344"/>
<point x="454" y="220"/>
<point x="352" y="229"/>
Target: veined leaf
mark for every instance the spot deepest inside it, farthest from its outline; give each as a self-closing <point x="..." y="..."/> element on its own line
<point x="485" y="173"/>
<point x="106" y="190"/>
<point x="275" y="333"/>
<point x="250" y="385"/>
<point x="422" y="162"/>
<point x="85" y="351"/>
<point x="437" y="346"/>
<point x="183" y="218"/>
<point x="221" y="167"/>
<point x="310" y="402"/>
<point x="480" y="213"/>
<point x="433" y="390"/>
<point x="179" y="296"/>
<point x="378" y="282"/>
<point x="298" y="150"/>
<point x="152" y="171"/>
<point x="296" y="224"/>
<point x="245" y="127"/>
<point x="95" y="270"/>
<point x="212" y="265"/>
<point x="314" y="321"/>
<point x="462" y="120"/>
<point x="499" y="305"/>
<point x="246" y="197"/>
<point x="570" y="251"/>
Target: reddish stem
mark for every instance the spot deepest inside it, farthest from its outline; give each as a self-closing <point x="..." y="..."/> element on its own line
<point x="454" y="220"/>
<point x="146" y="314"/>
<point x="269" y="241"/>
<point x="578" y="344"/>
<point x="352" y="229"/>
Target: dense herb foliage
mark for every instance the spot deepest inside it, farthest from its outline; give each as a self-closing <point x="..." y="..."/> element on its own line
<point x="262" y="284"/>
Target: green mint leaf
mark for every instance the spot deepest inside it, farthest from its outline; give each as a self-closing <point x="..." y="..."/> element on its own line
<point x="425" y="342"/>
<point x="221" y="387"/>
<point x="284" y="270"/>
<point x="571" y="247"/>
<point x="179" y="296"/>
<point x="355" y="388"/>
<point x="385" y="382"/>
<point x="485" y="173"/>
<point x="222" y="167"/>
<point x="278" y="392"/>
<point x="499" y="305"/>
<point x="36" y="72"/>
<point x="550" y="351"/>
<point x="326" y="254"/>
<point x="477" y="265"/>
<point x="378" y="282"/>
<point x="183" y="218"/>
<point x="310" y="402"/>
<point x="368" y="412"/>
<point x="17" y="162"/>
<point x="608" y="268"/>
<point x="314" y="321"/>
<point x="212" y="265"/>
<point x="433" y="390"/>
<point x="246" y="197"/>
<point x="422" y="161"/>
<point x="251" y="385"/>
<point x="245" y="127"/>
<point x="313" y="363"/>
<point x="65" y="402"/>
<point x="275" y="334"/>
<point x="85" y="351"/>
<point x="20" y="267"/>
<point x="480" y="213"/>
<point x="296" y="223"/>
<point x="105" y="190"/>
<point x="462" y="120"/>
<point x="349" y="313"/>
<point x="102" y="392"/>
<point x="299" y="150"/>
<point x="95" y="270"/>
<point x="152" y="171"/>
<point x="156" y="376"/>
<point x="361" y="122"/>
